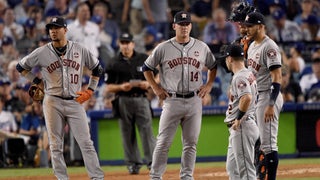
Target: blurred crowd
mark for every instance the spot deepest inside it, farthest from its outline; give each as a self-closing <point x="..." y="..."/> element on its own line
<point x="97" y="24"/>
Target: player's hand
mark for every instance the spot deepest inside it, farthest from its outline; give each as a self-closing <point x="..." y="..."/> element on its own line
<point x="160" y="92"/>
<point x="126" y="87"/>
<point x="144" y="85"/>
<point x="269" y="114"/>
<point x="236" y="124"/>
<point x="205" y="89"/>
<point x="84" y="96"/>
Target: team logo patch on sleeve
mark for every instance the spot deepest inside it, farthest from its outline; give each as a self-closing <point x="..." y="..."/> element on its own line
<point x="241" y="85"/>
<point x="272" y="54"/>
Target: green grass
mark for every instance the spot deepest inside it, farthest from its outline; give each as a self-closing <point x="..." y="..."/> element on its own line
<point x="27" y="172"/>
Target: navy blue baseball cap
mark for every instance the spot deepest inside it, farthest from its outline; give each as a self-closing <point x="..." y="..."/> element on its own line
<point x="57" y="21"/>
<point x="233" y="50"/>
<point x="278" y="14"/>
<point x="126" y="37"/>
<point x="182" y="17"/>
<point x="254" y="18"/>
<point x="7" y="40"/>
<point x="4" y="81"/>
<point x="30" y="23"/>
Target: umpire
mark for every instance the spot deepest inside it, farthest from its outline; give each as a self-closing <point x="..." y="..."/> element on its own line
<point x="125" y="78"/>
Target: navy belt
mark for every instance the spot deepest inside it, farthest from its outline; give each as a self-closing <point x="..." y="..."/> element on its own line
<point x="64" y="98"/>
<point x="189" y="95"/>
<point x="229" y="124"/>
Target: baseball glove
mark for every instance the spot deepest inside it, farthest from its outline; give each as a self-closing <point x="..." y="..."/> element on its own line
<point x="36" y="92"/>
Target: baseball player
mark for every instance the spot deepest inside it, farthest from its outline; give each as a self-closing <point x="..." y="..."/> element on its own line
<point x="238" y="15"/>
<point x="264" y="60"/>
<point x="240" y="117"/>
<point x="181" y="60"/>
<point x="61" y="63"/>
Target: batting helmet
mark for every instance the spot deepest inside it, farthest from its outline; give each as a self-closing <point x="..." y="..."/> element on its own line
<point x="239" y="13"/>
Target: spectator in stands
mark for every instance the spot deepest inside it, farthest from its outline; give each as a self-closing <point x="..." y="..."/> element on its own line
<point x="296" y="62"/>
<point x="290" y="89"/>
<point x="1" y="31"/>
<point x="108" y="28"/>
<point x="23" y="8"/>
<point x="151" y="39"/>
<point x="201" y="12"/>
<point x="310" y="27"/>
<point x="8" y="125"/>
<point x="3" y="6"/>
<point x="306" y="10"/>
<point x="132" y="15"/>
<point x="9" y="52"/>
<point x="219" y="31"/>
<point x="28" y="42"/>
<point x="60" y="8"/>
<point x="155" y="12"/>
<point x="12" y="29"/>
<point x="83" y="31"/>
<point x="313" y="93"/>
<point x="44" y="39"/>
<point x="30" y="127"/>
<point x="308" y="80"/>
<point x="284" y="30"/>
<point x="38" y="16"/>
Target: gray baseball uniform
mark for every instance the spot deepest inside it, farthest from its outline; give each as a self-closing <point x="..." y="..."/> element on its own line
<point x="240" y="154"/>
<point x="180" y="70"/>
<point x="260" y="58"/>
<point x="62" y="80"/>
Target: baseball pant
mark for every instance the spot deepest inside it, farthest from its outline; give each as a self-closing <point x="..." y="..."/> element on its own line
<point x="269" y="130"/>
<point x="240" y="156"/>
<point x="57" y="113"/>
<point x="135" y="111"/>
<point x="188" y="114"/>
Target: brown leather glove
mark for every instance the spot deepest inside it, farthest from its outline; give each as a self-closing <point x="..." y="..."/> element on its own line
<point x="84" y="96"/>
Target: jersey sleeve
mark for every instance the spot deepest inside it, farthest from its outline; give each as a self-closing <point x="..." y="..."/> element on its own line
<point x="242" y="86"/>
<point x="31" y="60"/>
<point x="154" y="58"/>
<point x="210" y="59"/>
<point x="272" y="54"/>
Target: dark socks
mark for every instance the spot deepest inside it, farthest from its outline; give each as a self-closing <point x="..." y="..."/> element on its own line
<point x="272" y="164"/>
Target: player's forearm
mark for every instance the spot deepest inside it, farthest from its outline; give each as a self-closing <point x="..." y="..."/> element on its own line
<point x="93" y="82"/>
<point x="211" y="76"/>
<point x="150" y="78"/>
<point x="245" y="102"/>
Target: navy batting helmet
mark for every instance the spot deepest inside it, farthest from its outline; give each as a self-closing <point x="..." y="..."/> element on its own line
<point x="239" y="13"/>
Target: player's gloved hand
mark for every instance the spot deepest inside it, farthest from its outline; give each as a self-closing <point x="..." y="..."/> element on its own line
<point x="84" y="96"/>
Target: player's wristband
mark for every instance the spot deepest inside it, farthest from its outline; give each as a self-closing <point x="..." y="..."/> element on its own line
<point x="275" y="90"/>
<point x="240" y="114"/>
<point x="93" y="83"/>
<point x="37" y="80"/>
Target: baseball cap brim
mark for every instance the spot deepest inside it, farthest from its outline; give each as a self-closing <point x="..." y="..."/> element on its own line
<point x="53" y="24"/>
<point x="183" y="21"/>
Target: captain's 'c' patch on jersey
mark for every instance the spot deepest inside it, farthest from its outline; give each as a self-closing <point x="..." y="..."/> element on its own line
<point x="272" y="53"/>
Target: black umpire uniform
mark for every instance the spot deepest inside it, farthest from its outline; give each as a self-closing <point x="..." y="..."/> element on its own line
<point x="133" y="106"/>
